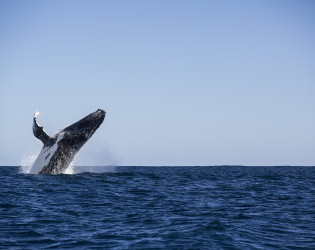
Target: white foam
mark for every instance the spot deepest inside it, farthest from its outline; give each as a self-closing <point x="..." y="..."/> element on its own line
<point x="70" y="169"/>
<point x="27" y="162"/>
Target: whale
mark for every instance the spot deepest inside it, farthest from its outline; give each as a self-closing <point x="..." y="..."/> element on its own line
<point x="58" y="151"/>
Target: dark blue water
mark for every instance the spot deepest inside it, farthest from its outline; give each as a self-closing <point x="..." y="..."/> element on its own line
<point x="160" y="207"/>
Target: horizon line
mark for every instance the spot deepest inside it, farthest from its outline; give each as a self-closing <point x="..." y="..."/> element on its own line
<point x="223" y="165"/>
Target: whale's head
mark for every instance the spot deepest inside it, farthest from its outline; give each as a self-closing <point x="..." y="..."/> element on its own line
<point x="81" y="131"/>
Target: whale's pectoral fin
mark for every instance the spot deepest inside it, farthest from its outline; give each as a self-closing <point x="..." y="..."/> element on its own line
<point x="39" y="133"/>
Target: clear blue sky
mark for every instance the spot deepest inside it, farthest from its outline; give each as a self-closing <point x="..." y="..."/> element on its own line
<point x="183" y="82"/>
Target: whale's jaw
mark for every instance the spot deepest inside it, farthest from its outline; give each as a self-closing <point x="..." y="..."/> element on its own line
<point x="55" y="157"/>
<point x="87" y="126"/>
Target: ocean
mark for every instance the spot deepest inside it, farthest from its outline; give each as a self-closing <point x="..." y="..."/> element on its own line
<point x="218" y="207"/>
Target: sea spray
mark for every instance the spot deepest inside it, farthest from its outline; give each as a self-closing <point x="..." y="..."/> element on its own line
<point x="95" y="160"/>
<point x="93" y="169"/>
<point x="70" y="169"/>
<point x="27" y="162"/>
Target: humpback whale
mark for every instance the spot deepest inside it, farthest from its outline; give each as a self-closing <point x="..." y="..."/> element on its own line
<point x="59" y="151"/>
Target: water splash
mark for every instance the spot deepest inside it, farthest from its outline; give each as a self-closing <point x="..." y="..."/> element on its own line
<point x="70" y="169"/>
<point x="95" y="160"/>
<point x="27" y="162"/>
<point x="93" y="169"/>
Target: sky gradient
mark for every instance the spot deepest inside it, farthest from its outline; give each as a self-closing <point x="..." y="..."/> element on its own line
<point x="183" y="82"/>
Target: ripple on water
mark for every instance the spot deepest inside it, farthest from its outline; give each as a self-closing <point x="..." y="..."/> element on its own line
<point x="161" y="207"/>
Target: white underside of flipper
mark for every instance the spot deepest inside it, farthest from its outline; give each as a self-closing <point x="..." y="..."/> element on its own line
<point x="45" y="156"/>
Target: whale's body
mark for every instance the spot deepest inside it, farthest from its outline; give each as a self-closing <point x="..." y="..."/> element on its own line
<point x="59" y="151"/>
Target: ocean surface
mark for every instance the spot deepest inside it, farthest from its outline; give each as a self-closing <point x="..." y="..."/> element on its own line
<point x="220" y="207"/>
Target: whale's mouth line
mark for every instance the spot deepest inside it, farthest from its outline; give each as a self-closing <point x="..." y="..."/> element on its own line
<point x="86" y="126"/>
<point x="90" y="130"/>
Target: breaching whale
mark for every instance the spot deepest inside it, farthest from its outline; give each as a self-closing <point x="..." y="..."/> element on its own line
<point x="58" y="151"/>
